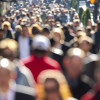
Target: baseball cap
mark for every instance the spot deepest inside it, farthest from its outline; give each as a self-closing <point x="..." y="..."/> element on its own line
<point x="41" y="42"/>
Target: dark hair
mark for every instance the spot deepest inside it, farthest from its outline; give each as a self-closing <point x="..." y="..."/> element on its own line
<point x="35" y="31"/>
<point x="46" y="30"/>
<point x="1" y="30"/>
<point x="57" y="86"/>
<point x="54" y="80"/>
<point x="23" y="25"/>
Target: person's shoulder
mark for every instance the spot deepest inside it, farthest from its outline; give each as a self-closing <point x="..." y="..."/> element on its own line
<point x="86" y="82"/>
<point x="27" y="60"/>
<point x="51" y="62"/>
<point x="25" y="90"/>
<point x="97" y="32"/>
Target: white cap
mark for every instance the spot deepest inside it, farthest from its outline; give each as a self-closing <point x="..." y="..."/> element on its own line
<point x="41" y="42"/>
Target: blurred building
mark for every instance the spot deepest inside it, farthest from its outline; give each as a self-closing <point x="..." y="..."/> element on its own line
<point x="4" y="5"/>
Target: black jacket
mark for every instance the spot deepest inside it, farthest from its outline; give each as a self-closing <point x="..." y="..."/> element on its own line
<point x="22" y="96"/>
<point x="97" y="40"/>
<point x="9" y="34"/>
<point x="24" y="93"/>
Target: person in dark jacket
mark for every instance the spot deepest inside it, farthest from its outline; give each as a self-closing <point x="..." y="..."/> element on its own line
<point x="6" y="27"/>
<point x="97" y="39"/>
<point x="73" y="65"/>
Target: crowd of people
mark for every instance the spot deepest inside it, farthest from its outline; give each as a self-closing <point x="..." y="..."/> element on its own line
<point x="47" y="54"/>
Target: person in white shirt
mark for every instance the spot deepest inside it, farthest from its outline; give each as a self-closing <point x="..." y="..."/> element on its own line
<point x="24" y="43"/>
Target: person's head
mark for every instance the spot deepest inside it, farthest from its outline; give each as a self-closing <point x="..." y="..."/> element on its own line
<point x="76" y="16"/>
<point x="51" y="88"/>
<point x="25" y="31"/>
<point x="54" y="85"/>
<point x="70" y="27"/>
<point x="73" y="62"/>
<point x="52" y="22"/>
<point x="50" y="16"/>
<point x="79" y="29"/>
<point x="8" y="49"/>
<point x="80" y="34"/>
<point x="95" y="27"/>
<point x="17" y="12"/>
<point x="33" y="20"/>
<point x="6" y="25"/>
<point x="58" y="35"/>
<point x="7" y="71"/>
<point x="85" y="43"/>
<point x="76" y="22"/>
<point x="18" y="28"/>
<point x="38" y="18"/>
<point x="46" y="32"/>
<point x="88" y="30"/>
<point x="1" y="34"/>
<point x="89" y="23"/>
<point x="40" y="46"/>
<point x="36" y="29"/>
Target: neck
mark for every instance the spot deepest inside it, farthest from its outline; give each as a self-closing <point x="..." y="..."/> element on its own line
<point x="57" y="44"/>
<point x="55" y="98"/>
<point x="86" y="53"/>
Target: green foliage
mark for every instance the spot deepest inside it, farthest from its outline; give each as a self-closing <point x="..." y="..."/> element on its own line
<point x="74" y="4"/>
<point x="85" y="16"/>
<point x="80" y="12"/>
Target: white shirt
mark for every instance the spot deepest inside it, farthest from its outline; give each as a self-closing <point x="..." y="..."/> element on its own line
<point x="10" y="95"/>
<point x="24" y="47"/>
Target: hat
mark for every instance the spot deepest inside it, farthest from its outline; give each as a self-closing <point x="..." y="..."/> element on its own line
<point x="75" y="52"/>
<point x="50" y="15"/>
<point x="41" y="42"/>
<point x="80" y="29"/>
<point x="76" y="20"/>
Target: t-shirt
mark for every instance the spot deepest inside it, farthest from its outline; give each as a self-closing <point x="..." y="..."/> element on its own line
<point x="24" y="47"/>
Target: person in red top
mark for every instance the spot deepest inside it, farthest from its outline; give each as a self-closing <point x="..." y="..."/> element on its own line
<point x="93" y="94"/>
<point x="39" y="59"/>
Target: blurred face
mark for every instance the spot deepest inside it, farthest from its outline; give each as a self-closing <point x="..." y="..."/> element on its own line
<point x="57" y="37"/>
<point x="7" y="53"/>
<point x="73" y="67"/>
<point x="76" y="24"/>
<point x="5" y="77"/>
<point x="49" y="17"/>
<point x="5" y="27"/>
<point x="24" y="31"/>
<point x="95" y="28"/>
<point x="33" y="21"/>
<point x="51" y="89"/>
<point x="89" y="23"/>
<point x="85" y="46"/>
